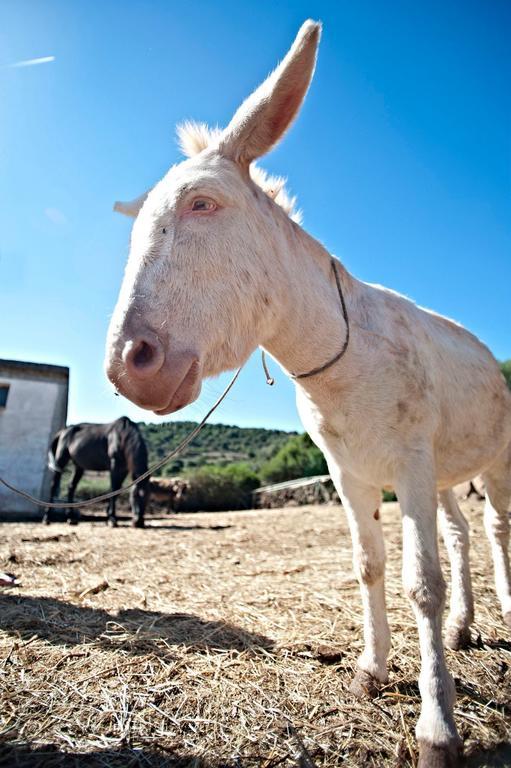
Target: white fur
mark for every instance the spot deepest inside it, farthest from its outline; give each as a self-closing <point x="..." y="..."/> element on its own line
<point x="194" y="138"/>
<point x="417" y="402"/>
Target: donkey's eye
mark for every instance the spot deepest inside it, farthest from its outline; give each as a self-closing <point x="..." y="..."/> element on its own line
<point x="203" y="204"/>
<point x="164" y="231"/>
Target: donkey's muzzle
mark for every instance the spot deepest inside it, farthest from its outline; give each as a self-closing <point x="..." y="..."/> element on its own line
<point x="153" y="377"/>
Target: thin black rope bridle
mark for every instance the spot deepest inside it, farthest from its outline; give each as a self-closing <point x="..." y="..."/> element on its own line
<point x="314" y="371"/>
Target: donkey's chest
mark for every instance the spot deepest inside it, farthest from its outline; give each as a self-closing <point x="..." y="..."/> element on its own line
<point x="355" y="440"/>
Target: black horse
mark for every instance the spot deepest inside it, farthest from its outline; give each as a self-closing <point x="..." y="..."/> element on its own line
<point x="117" y="447"/>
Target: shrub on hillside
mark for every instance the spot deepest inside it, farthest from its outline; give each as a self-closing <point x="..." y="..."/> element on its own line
<point x="298" y="457"/>
<point x="213" y="488"/>
<point x="505" y="367"/>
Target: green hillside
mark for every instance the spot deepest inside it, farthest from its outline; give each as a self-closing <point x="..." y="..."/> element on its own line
<point x="218" y="444"/>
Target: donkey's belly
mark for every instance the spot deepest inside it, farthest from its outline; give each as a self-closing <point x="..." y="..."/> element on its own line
<point x="457" y="468"/>
<point x="466" y="448"/>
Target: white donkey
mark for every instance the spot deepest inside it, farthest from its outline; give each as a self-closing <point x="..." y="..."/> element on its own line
<point x="218" y="266"/>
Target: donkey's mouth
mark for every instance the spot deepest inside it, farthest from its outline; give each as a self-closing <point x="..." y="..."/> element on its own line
<point x="187" y="391"/>
<point x="175" y="384"/>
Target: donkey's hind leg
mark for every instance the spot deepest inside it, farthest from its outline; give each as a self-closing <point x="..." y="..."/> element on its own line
<point x="455" y="533"/>
<point x="497" y="479"/>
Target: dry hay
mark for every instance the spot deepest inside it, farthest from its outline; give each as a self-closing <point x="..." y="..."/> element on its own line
<point x="225" y="640"/>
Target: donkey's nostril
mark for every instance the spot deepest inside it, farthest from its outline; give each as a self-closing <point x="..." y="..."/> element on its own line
<point x="143" y="354"/>
<point x="143" y="358"/>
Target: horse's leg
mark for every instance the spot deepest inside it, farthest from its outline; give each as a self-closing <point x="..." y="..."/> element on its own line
<point x="54" y="491"/>
<point x="497" y="479"/>
<point x="73" y="515"/>
<point x="117" y="476"/>
<point x="455" y="530"/>
<point x="137" y="504"/>
<point x="61" y="459"/>
<point x="362" y="505"/>
<point x="439" y="743"/>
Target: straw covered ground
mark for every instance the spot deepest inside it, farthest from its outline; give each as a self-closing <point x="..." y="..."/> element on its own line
<point x="223" y="641"/>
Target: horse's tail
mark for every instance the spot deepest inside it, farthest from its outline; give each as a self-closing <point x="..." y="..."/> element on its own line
<point x="52" y="461"/>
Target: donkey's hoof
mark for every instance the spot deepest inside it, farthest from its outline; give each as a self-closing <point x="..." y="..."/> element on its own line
<point x="507" y="619"/>
<point x="137" y="523"/>
<point x="111" y="522"/>
<point x="457" y="638"/>
<point x="431" y="756"/>
<point x="364" y="685"/>
<point x="46" y="519"/>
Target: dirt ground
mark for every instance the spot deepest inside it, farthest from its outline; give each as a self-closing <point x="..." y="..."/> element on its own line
<point x="223" y="640"/>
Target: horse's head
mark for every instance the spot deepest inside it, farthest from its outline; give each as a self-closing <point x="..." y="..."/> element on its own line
<point x="201" y="288"/>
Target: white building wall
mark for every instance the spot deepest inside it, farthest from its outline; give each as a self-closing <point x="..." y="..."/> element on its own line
<point x="35" y="409"/>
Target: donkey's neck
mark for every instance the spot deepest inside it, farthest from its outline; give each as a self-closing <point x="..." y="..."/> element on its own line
<point x="310" y="329"/>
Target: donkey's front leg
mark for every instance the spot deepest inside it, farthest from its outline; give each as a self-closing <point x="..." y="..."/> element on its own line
<point x="439" y="743"/>
<point x="362" y="505"/>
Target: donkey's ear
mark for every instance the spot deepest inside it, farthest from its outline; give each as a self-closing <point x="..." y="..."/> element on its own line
<point x="131" y="208"/>
<point x="265" y="116"/>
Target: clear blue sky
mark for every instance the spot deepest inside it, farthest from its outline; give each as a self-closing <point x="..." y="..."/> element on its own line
<point x="400" y="159"/>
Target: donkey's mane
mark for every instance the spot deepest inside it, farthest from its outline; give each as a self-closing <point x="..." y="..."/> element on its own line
<point x="195" y="137"/>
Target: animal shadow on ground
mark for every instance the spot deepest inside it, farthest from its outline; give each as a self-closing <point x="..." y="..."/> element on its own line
<point x="504" y="645"/>
<point x="152" y="521"/>
<point x="498" y="757"/>
<point x="49" y="756"/>
<point x="59" y="516"/>
<point x="63" y="623"/>
<point x="172" y="527"/>
<point x="410" y="688"/>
